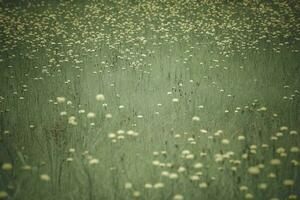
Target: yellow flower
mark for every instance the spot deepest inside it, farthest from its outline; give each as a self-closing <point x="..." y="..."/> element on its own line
<point x="3" y="194"/>
<point x="293" y="196"/>
<point x="253" y="170"/>
<point x="249" y="196"/>
<point x="7" y="166"/>
<point x="262" y="186"/>
<point x="288" y="182"/>
<point x="26" y="167"/>
<point x="136" y="194"/>
<point x="275" y="162"/>
<point x="272" y="175"/>
<point x="294" y="149"/>
<point x="243" y="188"/>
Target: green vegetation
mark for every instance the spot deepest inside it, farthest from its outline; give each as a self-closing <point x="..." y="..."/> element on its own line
<point x="152" y="100"/>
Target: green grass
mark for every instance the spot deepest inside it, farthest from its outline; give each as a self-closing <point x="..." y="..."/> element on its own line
<point x="234" y="65"/>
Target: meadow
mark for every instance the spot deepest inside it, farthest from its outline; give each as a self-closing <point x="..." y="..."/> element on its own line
<point x="149" y="99"/>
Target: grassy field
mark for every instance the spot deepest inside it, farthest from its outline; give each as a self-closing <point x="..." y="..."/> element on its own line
<point x="152" y="100"/>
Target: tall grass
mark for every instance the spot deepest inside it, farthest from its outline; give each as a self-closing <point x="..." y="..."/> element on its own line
<point x="201" y="100"/>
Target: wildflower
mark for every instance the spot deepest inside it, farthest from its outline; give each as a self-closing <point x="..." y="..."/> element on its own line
<point x="26" y="167"/>
<point x="198" y="165"/>
<point x="272" y="175"/>
<point x="294" y="149"/>
<point x="45" y="177"/>
<point x="7" y="166"/>
<point x="3" y="194"/>
<point x="155" y="162"/>
<point x="194" y="178"/>
<point x="225" y="141"/>
<point x="63" y="113"/>
<point x="173" y="176"/>
<point x="128" y="185"/>
<point x="241" y="137"/>
<point x="108" y="116"/>
<point x="288" y="182"/>
<point x="254" y="170"/>
<point x="203" y="185"/>
<point x="60" y="99"/>
<point x="262" y="186"/>
<point x="284" y="128"/>
<point x="190" y="156"/>
<point x="158" y="185"/>
<point x="93" y="161"/>
<point x="195" y="118"/>
<point x="165" y="173"/>
<point x="249" y="196"/>
<point x="293" y="132"/>
<point x="100" y="97"/>
<point x="262" y="109"/>
<point x="293" y="196"/>
<point x="91" y="115"/>
<point x="136" y="194"/>
<point x="275" y="162"/>
<point x="178" y="197"/>
<point x="71" y="150"/>
<point x="175" y="100"/>
<point x="181" y="169"/>
<point x="111" y="135"/>
<point x="280" y="150"/>
<point x="72" y="120"/>
<point x="243" y="188"/>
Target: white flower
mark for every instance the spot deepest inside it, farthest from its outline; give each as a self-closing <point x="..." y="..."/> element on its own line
<point x="108" y="115"/>
<point x="128" y="185"/>
<point x="173" y="176"/>
<point x="196" y="118"/>
<point x="181" y="169"/>
<point x="91" y="115"/>
<point x="111" y="135"/>
<point x="60" y="99"/>
<point x="225" y="141"/>
<point x="288" y="182"/>
<point x="198" y="165"/>
<point x="45" y="177"/>
<point x="178" y="197"/>
<point x="93" y="161"/>
<point x="203" y="185"/>
<point x="100" y="97"/>
<point x="63" y="113"/>
<point x="254" y="170"/>
<point x="72" y="120"/>
<point x="175" y="100"/>
<point x="158" y="185"/>
<point x="275" y="162"/>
